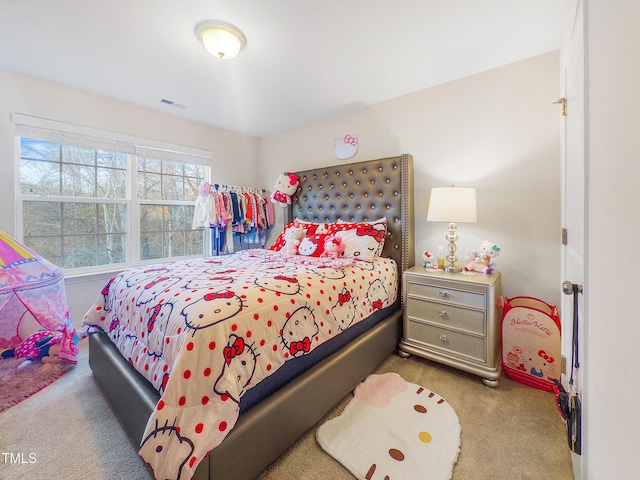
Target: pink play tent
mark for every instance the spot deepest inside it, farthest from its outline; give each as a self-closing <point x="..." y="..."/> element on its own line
<point x="32" y="298"/>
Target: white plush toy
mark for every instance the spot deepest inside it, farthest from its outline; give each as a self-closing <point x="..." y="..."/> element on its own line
<point x="430" y="260"/>
<point x="293" y="236"/>
<point x="284" y="186"/>
<point x="481" y="261"/>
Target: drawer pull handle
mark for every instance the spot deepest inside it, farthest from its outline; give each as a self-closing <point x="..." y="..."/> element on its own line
<point x="443" y="338"/>
<point x="443" y="314"/>
<point x="443" y="294"/>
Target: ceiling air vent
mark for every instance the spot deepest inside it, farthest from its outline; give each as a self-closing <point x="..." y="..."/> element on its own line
<point x="172" y="103"/>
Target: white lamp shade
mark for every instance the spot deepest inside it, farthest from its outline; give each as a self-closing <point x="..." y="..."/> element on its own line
<point x="452" y="204"/>
<point x="221" y="39"/>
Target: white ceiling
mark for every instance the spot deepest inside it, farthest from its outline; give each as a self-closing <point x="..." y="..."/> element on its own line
<point x="304" y="60"/>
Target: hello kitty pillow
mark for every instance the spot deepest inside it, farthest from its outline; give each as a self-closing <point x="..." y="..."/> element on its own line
<point x="363" y="241"/>
<point x="312" y="245"/>
<point x="309" y="228"/>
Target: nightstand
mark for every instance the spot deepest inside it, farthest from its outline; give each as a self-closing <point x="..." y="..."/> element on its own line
<point x="452" y="318"/>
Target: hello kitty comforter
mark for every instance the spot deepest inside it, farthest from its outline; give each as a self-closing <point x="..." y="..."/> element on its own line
<point x="204" y="331"/>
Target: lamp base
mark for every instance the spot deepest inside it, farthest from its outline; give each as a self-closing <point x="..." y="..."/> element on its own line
<point x="451" y="258"/>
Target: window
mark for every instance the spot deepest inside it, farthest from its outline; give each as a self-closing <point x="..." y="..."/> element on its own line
<point x="165" y="228"/>
<point x="86" y="207"/>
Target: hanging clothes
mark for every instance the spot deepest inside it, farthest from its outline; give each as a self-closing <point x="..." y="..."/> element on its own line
<point x="202" y="210"/>
<point x="236" y="216"/>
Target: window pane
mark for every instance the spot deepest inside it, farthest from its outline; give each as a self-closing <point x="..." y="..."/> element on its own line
<point x="49" y="248"/>
<point x="151" y="218"/>
<point x="174" y="244"/>
<point x="165" y="180"/>
<point x="79" y="218"/>
<point x="175" y="217"/>
<point x="111" y="183"/>
<point x="79" y="251"/>
<point x="65" y="231"/>
<point x="172" y="168"/>
<point x="112" y="159"/>
<point x="39" y="150"/>
<point x="78" y="181"/>
<point x="172" y="188"/>
<point x="149" y="186"/>
<point x="191" y="188"/>
<point x="79" y="155"/>
<point x="112" y="218"/>
<point x="149" y="165"/>
<point x="150" y="246"/>
<point x="112" y="249"/>
<point x="165" y="232"/>
<point x="41" y="219"/>
<point x="193" y="170"/>
<point x="194" y="244"/>
<point x="39" y="178"/>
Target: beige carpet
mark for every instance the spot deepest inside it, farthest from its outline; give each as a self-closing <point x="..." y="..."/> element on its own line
<point x="67" y="431"/>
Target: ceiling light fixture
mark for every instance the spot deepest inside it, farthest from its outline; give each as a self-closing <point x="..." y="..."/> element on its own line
<point x="221" y="39"/>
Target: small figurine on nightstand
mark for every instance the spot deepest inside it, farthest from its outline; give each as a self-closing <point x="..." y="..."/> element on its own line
<point x="481" y="261"/>
<point x="430" y="261"/>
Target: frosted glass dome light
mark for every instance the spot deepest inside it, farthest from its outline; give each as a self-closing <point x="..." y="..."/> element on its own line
<point x="221" y="39"/>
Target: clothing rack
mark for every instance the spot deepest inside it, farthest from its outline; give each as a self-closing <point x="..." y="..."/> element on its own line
<point x="237" y="216"/>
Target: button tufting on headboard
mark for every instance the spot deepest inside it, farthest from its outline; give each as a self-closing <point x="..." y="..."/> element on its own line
<point x="367" y="191"/>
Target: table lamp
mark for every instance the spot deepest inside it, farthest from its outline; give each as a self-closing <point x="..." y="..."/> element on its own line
<point x="452" y="204"/>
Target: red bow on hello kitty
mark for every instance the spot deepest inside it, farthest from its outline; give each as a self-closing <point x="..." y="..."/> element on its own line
<point x="286" y="279"/>
<point x="293" y="178"/>
<point x="155" y="282"/>
<point x="232" y="350"/>
<point x="301" y="346"/>
<point x="545" y="356"/>
<point x="372" y="232"/>
<point x="213" y="296"/>
<point x="344" y="297"/>
<point x="377" y="304"/>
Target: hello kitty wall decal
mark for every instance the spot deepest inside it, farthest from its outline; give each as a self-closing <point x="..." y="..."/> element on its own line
<point x="346" y="147"/>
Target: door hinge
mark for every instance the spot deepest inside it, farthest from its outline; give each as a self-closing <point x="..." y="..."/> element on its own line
<point x="563" y="106"/>
<point x="564" y="236"/>
<point x="563" y="364"/>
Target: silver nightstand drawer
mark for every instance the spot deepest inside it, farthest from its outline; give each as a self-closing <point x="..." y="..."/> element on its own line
<point x="447" y="315"/>
<point x="443" y="294"/>
<point x="449" y="340"/>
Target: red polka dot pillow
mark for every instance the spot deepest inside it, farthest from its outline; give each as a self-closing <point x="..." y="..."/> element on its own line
<point x="309" y="228"/>
<point x="280" y="241"/>
<point x="363" y="241"/>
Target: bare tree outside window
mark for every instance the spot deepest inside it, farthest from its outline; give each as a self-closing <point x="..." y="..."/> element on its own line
<point x="165" y="224"/>
<point x="76" y="205"/>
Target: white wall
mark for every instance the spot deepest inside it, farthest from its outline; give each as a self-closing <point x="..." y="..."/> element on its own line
<point x="497" y="131"/>
<point x="613" y="329"/>
<point x="234" y="155"/>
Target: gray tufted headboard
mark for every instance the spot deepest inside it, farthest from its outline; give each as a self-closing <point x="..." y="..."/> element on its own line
<point x="363" y="191"/>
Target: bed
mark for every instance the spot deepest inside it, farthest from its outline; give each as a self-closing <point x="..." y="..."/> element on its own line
<point x="277" y="411"/>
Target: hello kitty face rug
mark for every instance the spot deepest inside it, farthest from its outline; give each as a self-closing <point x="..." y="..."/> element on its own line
<point x="394" y="430"/>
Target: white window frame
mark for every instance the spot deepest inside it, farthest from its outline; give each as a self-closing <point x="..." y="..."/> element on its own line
<point x="50" y="130"/>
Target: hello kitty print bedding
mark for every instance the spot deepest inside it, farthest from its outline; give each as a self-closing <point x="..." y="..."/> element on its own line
<point x="205" y="331"/>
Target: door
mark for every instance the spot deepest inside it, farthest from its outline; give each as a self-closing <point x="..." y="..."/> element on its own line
<point x="573" y="204"/>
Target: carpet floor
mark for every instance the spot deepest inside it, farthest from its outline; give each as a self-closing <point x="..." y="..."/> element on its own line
<point x="68" y="431"/>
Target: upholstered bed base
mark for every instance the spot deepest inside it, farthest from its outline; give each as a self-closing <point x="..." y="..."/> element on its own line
<point x="358" y="191"/>
<point x="261" y="435"/>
